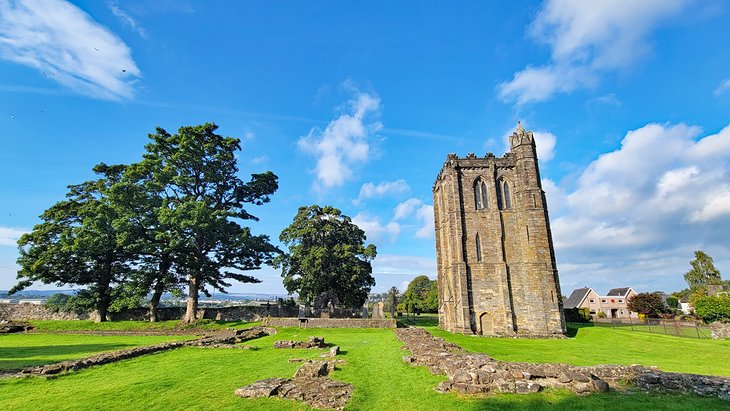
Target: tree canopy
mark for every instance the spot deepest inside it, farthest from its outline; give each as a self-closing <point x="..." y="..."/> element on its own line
<point x="421" y="295"/>
<point x="173" y="218"/>
<point x="392" y="299"/>
<point x="77" y="244"/>
<point x="646" y="303"/>
<point x="703" y="272"/>
<point x="195" y="173"/>
<point x="328" y="261"/>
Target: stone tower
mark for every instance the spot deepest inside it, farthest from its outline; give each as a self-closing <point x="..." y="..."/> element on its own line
<point x="496" y="264"/>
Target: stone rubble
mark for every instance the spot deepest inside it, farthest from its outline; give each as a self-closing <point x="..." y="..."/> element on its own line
<point x="7" y="327"/>
<point x="310" y="384"/>
<point x="479" y="373"/>
<point x="314" y="342"/>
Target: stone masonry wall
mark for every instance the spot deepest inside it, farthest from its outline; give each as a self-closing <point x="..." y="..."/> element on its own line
<point x="25" y="312"/>
<point x="720" y="331"/>
<point x="329" y="322"/>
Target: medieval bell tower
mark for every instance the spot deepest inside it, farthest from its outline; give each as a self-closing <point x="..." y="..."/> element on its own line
<point x="496" y="263"/>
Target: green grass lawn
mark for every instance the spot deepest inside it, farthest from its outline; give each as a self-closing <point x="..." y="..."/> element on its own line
<point x="602" y="345"/>
<point x="199" y="378"/>
<point x="24" y="350"/>
<point x="135" y="326"/>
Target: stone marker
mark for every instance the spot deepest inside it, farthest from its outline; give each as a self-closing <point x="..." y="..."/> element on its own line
<point x="378" y="311"/>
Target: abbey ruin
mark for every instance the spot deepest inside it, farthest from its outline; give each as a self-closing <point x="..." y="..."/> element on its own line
<point x="496" y="264"/>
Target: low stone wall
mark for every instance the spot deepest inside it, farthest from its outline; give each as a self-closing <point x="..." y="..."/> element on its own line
<point x="720" y="331"/>
<point x="472" y="373"/>
<point x="329" y="322"/>
<point x="225" y="339"/>
<point x="26" y="312"/>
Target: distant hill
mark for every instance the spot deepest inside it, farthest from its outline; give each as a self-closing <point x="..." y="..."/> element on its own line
<point x="215" y="296"/>
<point x="35" y="293"/>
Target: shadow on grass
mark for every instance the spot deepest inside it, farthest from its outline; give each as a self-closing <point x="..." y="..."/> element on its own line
<point x="54" y="350"/>
<point x="15" y="358"/>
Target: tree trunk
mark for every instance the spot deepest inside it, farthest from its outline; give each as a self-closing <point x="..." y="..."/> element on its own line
<point x="103" y="308"/>
<point x="104" y="299"/>
<point x="155" y="301"/>
<point x="159" y="288"/>
<point x="191" y="313"/>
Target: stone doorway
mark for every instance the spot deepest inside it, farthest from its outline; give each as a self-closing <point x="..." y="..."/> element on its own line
<point x="614" y="313"/>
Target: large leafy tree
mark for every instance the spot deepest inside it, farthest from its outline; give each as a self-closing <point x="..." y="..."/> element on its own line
<point x="140" y="201"/>
<point x="392" y="298"/>
<point x="421" y="295"/>
<point x="328" y="260"/>
<point x="77" y="243"/>
<point x="202" y="207"/>
<point x="703" y="272"/>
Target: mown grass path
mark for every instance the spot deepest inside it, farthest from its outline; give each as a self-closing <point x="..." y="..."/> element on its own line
<point x="204" y="378"/>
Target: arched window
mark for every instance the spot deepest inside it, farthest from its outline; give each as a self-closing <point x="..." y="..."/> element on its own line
<point x="480" y="195"/>
<point x="507" y="198"/>
<point x="479" y="249"/>
<point x="504" y="200"/>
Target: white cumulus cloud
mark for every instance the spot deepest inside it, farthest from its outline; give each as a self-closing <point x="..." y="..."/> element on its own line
<point x="345" y="141"/>
<point x="419" y="214"/>
<point x="67" y="46"/>
<point x="9" y="236"/>
<point x="587" y="38"/>
<point x="375" y="229"/>
<point x="635" y="215"/>
<point x="386" y="188"/>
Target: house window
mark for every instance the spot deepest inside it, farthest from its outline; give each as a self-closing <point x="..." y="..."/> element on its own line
<point x="479" y="248"/>
<point x="504" y="200"/>
<point x="622" y="311"/>
<point x="593" y="301"/>
<point x="480" y="195"/>
<point x="620" y="301"/>
<point x="603" y="301"/>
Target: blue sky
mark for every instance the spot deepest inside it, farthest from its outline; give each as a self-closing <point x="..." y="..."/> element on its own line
<point x="357" y="104"/>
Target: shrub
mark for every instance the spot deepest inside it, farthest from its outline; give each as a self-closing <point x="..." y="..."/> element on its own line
<point x="672" y="301"/>
<point x="711" y="309"/>
<point x="577" y="315"/>
<point x="601" y="314"/>
<point x="650" y="304"/>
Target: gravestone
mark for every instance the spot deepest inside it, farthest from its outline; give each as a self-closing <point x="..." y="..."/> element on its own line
<point x="378" y="311"/>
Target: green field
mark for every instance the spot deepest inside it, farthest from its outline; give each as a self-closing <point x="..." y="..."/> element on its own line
<point x="199" y="378"/>
<point x="24" y="350"/>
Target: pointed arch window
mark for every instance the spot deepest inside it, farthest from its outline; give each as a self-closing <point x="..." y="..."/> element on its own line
<point x="479" y="248"/>
<point x="504" y="199"/>
<point x="480" y="195"/>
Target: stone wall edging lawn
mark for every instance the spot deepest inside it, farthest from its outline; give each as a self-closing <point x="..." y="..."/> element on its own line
<point x="222" y="339"/>
<point x="473" y="373"/>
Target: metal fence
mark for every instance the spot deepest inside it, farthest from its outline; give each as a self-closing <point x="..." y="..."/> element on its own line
<point x="679" y="328"/>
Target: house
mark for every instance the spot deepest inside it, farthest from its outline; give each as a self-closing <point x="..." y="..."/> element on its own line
<point x="583" y="298"/>
<point x="685" y="305"/>
<point x="613" y="305"/>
